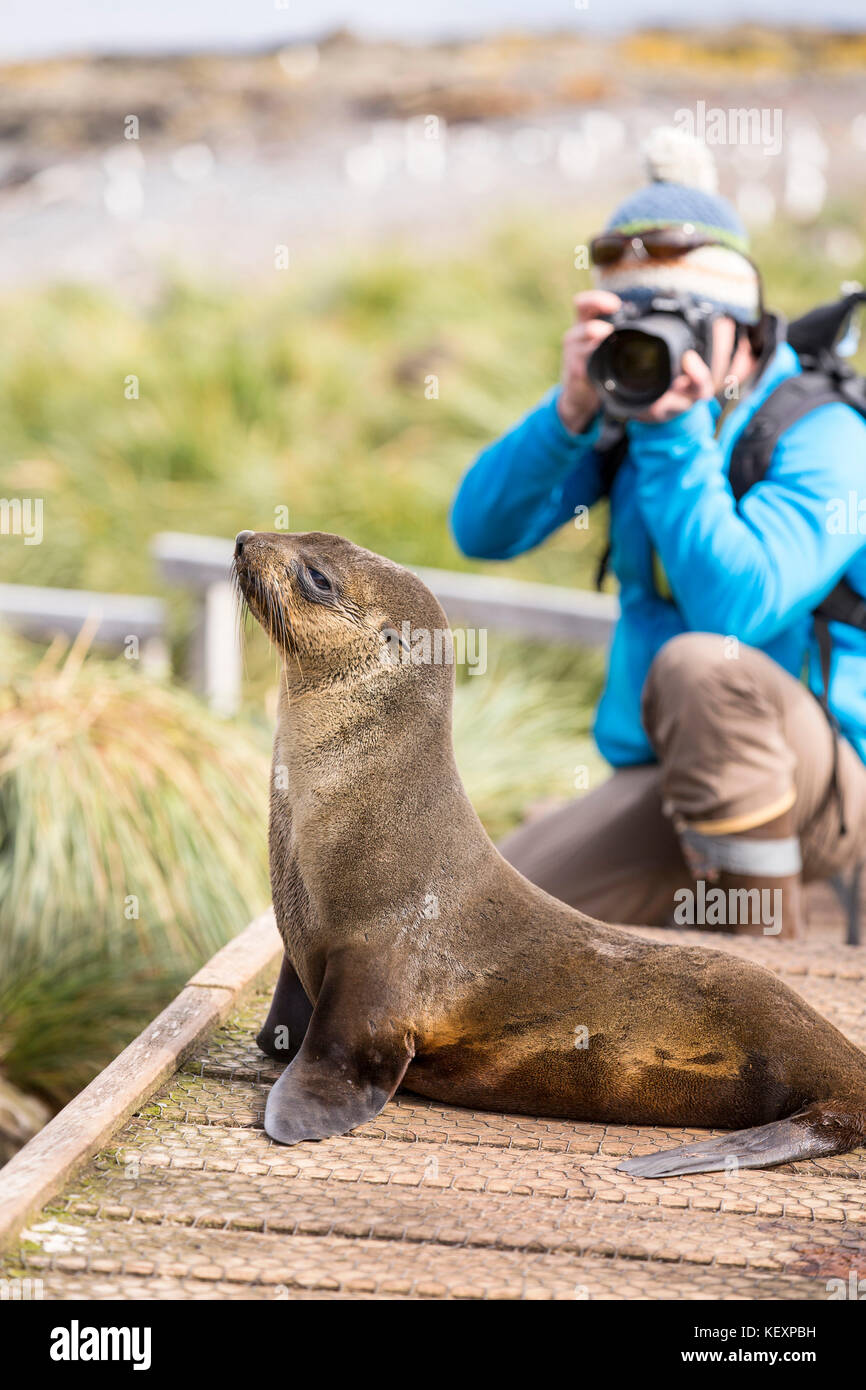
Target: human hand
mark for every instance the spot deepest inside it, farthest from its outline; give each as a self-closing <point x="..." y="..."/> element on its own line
<point x="695" y="383"/>
<point x="578" y="400"/>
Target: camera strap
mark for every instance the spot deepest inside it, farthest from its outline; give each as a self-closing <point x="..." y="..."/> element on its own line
<point x="611" y="450"/>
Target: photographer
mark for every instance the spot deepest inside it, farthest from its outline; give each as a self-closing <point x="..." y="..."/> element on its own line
<point x="727" y="768"/>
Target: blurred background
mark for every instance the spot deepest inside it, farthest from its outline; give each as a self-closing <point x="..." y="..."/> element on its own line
<point x="309" y="257"/>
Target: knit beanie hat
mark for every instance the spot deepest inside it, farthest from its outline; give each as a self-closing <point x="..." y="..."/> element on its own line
<point x="683" y="194"/>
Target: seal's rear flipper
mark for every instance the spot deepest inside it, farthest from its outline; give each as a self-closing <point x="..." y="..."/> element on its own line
<point x="783" y="1141"/>
<point x="352" y="1060"/>
<point x="288" y="1017"/>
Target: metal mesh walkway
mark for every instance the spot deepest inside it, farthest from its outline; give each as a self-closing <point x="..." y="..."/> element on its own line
<point x="190" y="1199"/>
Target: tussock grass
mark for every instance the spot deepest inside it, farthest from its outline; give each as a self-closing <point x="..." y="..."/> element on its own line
<point x="132" y="846"/>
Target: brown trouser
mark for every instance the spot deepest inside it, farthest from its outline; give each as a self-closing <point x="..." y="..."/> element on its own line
<point x="738" y="742"/>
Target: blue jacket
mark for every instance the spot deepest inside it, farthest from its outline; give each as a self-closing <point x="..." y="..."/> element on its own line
<point x="755" y="573"/>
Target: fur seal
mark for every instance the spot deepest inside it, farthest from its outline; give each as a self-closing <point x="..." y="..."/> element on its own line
<point x="416" y="956"/>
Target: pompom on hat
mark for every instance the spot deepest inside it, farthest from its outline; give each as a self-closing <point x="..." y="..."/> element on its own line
<point x="683" y="193"/>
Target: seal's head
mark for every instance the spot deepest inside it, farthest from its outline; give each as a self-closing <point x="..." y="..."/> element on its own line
<point x="334" y="610"/>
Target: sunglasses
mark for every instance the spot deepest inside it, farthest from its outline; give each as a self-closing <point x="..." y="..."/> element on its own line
<point x="657" y="244"/>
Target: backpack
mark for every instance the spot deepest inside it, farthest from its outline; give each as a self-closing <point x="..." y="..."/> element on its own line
<point x="826" y="379"/>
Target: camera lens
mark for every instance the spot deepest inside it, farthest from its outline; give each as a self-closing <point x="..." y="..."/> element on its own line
<point x="638" y="363"/>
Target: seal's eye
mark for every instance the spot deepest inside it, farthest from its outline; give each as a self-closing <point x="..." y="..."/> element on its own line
<point x="320" y="581"/>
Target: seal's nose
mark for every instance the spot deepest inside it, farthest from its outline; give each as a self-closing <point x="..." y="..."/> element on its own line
<point x="241" y="539"/>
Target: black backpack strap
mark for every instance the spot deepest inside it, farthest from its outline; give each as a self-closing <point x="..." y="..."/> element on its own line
<point x="750" y="462"/>
<point x="825" y="652"/>
<point x="611" y="450"/>
<point x="843" y="605"/>
<point x="788" y="403"/>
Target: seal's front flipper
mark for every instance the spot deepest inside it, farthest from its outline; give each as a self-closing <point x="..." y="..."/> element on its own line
<point x="783" y="1141"/>
<point x="353" y="1057"/>
<point x="288" y="1017"/>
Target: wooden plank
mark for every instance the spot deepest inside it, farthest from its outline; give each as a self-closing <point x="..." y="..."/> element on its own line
<point x="244" y="958"/>
<point x="37" y="1172"/>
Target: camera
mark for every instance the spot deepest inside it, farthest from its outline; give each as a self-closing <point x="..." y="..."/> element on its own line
<point x="639" y="360"/>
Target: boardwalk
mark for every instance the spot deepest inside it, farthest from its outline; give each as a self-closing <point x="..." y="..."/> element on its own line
<point x="189" y="1199"/>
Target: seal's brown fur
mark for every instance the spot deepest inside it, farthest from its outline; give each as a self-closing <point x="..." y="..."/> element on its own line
<point x="428" y="959"/>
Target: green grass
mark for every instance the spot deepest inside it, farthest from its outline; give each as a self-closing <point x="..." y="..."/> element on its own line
<point x="310" y="396"/>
